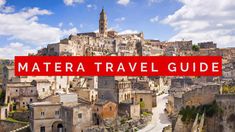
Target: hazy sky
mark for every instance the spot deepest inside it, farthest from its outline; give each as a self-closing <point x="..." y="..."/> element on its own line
<point x="27" y="25"/>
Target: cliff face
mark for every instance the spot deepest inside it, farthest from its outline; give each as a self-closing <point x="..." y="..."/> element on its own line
<point x="226" y="119"/>
<point x="181" y="126"/>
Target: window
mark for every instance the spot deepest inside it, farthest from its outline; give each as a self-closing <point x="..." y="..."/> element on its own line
<point x="42" y="129"/>
<point x="31" y="91"/>
<point x="16" y="90"/>
<point x="80" y="115"/>
<point x="42" y="113"/>
<point x="110" y="108"/>
<point x="59" y="86"/>
<point x="61" y="77"/>
<point x="43" y="89"/>
<point x="141" y="99"/>
<point x="57" y="112"/>
<point x="31" y="100"/>
<point x="52" y="49"/>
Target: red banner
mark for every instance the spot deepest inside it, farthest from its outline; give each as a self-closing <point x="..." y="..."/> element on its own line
<point x="118" y="66"/>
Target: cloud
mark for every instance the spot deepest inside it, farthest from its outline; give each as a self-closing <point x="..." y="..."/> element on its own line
<point x="121" y="19"/>
<point x="24" y="26"/>
<point x="128" y="31"/>
<point x="60" y="24"/>
<point x="150" y="2"/>
<point x="81" y="25"/>
<point x="72" y="2"/>
<point x="211" y="20"/>
<point x="6" y="9"/>
<point x="91" y="6"/>
<point x="123" y="2"/>
<point x="68" y="32"/>
<point x="15" y="49"/>
<point x="71" y="24"/>
<point x="154" y="19"/>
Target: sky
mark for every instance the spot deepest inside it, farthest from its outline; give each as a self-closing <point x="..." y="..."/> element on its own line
<point x="28" y="25"/>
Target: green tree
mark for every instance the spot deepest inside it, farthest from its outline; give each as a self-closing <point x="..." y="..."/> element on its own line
<point x="195" y="47"/>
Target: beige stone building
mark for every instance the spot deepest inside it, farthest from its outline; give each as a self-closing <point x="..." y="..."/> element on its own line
<point x="145" y="98"/>
<point x="124" y="90"/>
<point x="88" y="94"/>
<point x="61" y="113"/>
<point x="45" y="117"/>
<point x="20" y="95"/>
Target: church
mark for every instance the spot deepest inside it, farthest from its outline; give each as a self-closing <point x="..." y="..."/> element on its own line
<point x="105" y="42"/>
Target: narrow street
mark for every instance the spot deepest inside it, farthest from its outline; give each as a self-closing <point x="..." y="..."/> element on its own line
<point x="159" y="118"/>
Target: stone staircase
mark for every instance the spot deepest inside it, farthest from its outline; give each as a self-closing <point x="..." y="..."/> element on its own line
<point x="20" y="129"/>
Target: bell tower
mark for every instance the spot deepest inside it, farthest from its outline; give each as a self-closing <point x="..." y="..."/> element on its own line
<point x="103" y="23"/>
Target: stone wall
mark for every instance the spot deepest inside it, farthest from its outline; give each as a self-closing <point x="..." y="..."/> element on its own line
<point x="200" y="96"/>
<point x="7" y="126"/>
<point x="227" y="118"/>
<point x="20" y="116"/>
<point x="130" y="110"/>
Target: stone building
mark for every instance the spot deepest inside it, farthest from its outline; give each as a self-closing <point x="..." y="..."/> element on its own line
<point x="106" y="88"/>
<point x="61" y="113"/>
<point x="20" y="91"/>
<point x="152" y="51"/>
<point x="20" y="95"/>
<point x="207" y="45"/>
<point x="104" y="110"/>
<point x="208" y="52"/>
<point x="131" y="110"/>
<point x="43" y="88"/>
<point x="8" y="73"/>
<point x="179" y="82"/>
<point x="229" y="70"/>
<point x="145" y="98"/>
<point x="88" y="94"/>
<point x="103" y="23"/>
<point x="141" y="83"/>
<point x="45" y="117"/>
<point x="177" y="48"/>
<point x="76" y="117"/>
<point x="124" y="90"/>
<point x="228" y="53"/>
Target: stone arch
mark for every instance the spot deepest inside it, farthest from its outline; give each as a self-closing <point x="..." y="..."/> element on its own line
<point x="57" y="126"/>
